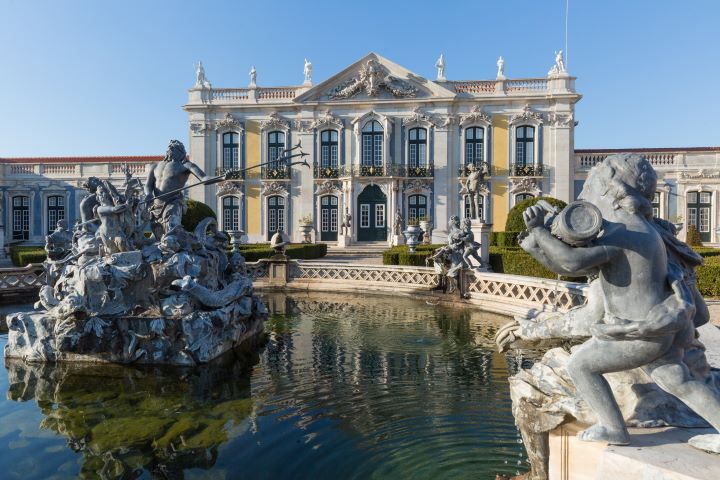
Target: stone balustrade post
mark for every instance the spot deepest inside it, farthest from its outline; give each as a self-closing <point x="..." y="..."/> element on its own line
<point x="482" y="235"/>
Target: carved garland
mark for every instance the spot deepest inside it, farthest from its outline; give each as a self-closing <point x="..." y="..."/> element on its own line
<point x="229" y="188"/>
<point x="274" y="122"/>
<point x="198" y="129"/>
<point x="327" y="120"/>
<point x="417" y="186"/>
<point x="371" y="78"/>
<point x="476" y="115"/>
<point x="561" y="119"/>
<point x="228" y="122"/>
<point x="418" y="117"/>
<point x="527" y="185"/>
<point x="527" y="114"/>
<point x="275" y="188"/>
<point x="327" y="187"/>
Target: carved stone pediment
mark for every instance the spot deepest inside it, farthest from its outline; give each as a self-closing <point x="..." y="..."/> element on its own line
<point x="229" y="188"/>
<point x="417" y="185"/>
<point x="274" y="122"/>
<point x="326" y="120"/>
<point x="527" y="114"/>
<point x="327" y="187"/>
<point x="476" y="115"/>
<point x="418" y="117"/>
<point x="525" y="185"/>
<point x="372" y="79"/>
<point x="229" y="122"/>
<point x="275" y="188"/>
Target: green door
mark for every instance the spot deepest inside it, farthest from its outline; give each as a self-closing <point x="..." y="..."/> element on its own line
<point x="698" y="212"/>
<point x="372" y="215"/>
<point x="328" y="218"/>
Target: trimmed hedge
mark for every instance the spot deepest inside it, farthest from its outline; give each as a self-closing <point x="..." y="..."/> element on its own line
<point x="297" y="251"/>
<point x="401" y="255"/>
<point x="195" y="213"/>
<point x="708" y="277"/>
<point x="515" y="261"/>
<point x="22" y="256"/>
<point x="515" y="222"/>
<point x="504" y="239"/>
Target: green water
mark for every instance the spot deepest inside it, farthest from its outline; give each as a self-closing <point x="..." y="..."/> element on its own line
<point x="347" y="387"/>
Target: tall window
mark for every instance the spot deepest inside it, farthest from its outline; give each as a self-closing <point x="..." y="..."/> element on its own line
<point x="230" y="151"/>
<point x="231" y="214"/>
<point x="474" y="146"/>
<point x="372" y="144"/>
<point x="21" y="217"/>
<point x="699" y="205"/>
<point x="329" y="149"/>
<point x="417" y="207"/>
<point x="656" y="205"/>
<point x="276" y="144"/>
<point x="417" y="143"/>
<point x="467" y="210"/>
<point x="55" y="211"/>
<point x="524" y="145"/>
<point x="276" y="214"/>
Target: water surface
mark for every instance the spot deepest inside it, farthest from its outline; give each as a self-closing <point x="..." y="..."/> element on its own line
<point x="345" y="387"/>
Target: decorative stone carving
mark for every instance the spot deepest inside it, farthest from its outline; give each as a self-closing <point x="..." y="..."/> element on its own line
<point x="229" y="188"/>
<point x="307" y="72"/>
<point x="301" y="126"/>
<point x="700" y="174"/>
<point x="476" y="115"/>
<point x="527" y="114"/>
<point x="639" y="346"/>
<point x="327" y="187"/>
<point x="565" y="119"/>
<point x="418" y="117"/>
<point x="228" y="122"/>
<point x="371" y="78"/>
<point x="274" y="122"/>
<point x="198" y="129"/>
<point x="326" y="120"/>
<point x="525" y="185"/>
<point x="448" y="120"/>
<point x="501" y="68"/>
<point x="253" y="77"/>
<point x="275" y="188"/>
<point x="417" y="185"/>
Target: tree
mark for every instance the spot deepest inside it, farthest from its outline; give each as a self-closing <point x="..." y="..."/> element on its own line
<point x="693" y="237"/>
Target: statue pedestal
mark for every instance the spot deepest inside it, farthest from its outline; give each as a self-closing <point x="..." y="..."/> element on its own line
<point x="482" y="231"/>
<point x="344" y="241"/>
<point x="654" y="453"/>
<point x="397" y="240"/>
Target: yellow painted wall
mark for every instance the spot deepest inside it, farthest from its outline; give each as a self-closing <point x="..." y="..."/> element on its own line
<point x="499" y="172"/>
<point x="252" y="189"/>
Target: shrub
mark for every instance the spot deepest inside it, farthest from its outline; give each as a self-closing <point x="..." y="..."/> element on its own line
<point x="693" y="237"/>
<point x="195" y="213"/>
<point x="515" y="222"/>
<point x="401" y="255"/>
<point x="301" y="251"/>
<point x="707" y="252"/>
<point x="708" y="277"/>
<point x="22" y="255"/>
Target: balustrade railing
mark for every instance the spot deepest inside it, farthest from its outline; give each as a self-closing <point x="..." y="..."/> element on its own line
<point x="238" y="175"/>
<point x="229" y="94"/>
<point x="529" y="170"/>
<point x="134" y="168"/>
<point x="22" y="279"/>
<point x="59" y="169"/>
<point x="415" y="277"/>
<point x="421" y="170"/>
<point x="21" y="169"/>
<point x="526" y="85"/>
<point x="585" y="161"/>
<point x="277" y="93"/>
<point x="475" y="86"/>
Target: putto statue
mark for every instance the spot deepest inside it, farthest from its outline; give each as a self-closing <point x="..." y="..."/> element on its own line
<point x="130" y="285"/>
<point x="639" y="322"/>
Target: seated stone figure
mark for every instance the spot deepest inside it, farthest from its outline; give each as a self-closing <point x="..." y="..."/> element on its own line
<point x="642" y="310"/>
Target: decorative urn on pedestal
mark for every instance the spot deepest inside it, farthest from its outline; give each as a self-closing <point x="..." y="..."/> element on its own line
<point x="412" y="234"/>
<point x="426" y="225"/>
<point x="306" y="228"/>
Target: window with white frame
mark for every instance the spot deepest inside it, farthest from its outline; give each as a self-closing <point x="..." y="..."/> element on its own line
<point x="329" y="149"/>
<point x="230" y="159"/>
<point x="379" y="215"/>
<point x="372" y="144"/>
<point x="656" y="205"/>
<point x="467" y="208"/>
<point x="364" y="215"/>
<point x="474" y="146"/>
<point x="276" y="145"/>
<point x="524" y="145"/>
<point x="55" y="210"/>
<point x="276" y="214"/>
<point x="20" y="217"/>
<point x="417" y="147"/>
<point x="329" y="214"/>
<point x="417" y="208"/>
<point x="523" y="196"/>
<point x="231" y="213"/>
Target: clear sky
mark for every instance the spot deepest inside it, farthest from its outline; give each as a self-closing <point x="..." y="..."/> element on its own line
<point x="110" y="77"/>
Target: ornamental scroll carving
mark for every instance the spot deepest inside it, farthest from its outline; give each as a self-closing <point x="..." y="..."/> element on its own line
<point x="418" y="117"/>
<point x="228" y="122"/>
<point x="274" y="122"/>
<point x="525" y="185"/>
<point x="476" y="115"/>
<point x="327" y="187"/>
<point x="527" y="114"/>
<point x="327" y="120"/>
<point x="372" y="78"/>
<point x="417" y="185"/>
<point x="229" y="188"/>
<point x="275" y="188"/>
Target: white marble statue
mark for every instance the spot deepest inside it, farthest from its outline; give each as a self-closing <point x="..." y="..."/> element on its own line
<point x="440" y="65"/>
<point x="501" y="68"/>
<point x="559" y="62"/>
<point x="253" y="77"/>
<point x="307" y="72"/>
<point x="200" y="80"/>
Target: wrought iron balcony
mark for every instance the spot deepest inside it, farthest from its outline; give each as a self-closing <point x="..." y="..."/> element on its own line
<point x="371" y="171"/>
<point x="237" y="173"/>
<point x="277" y="172"/>
<point x="326" y="171"/>
<point x="520" y="170"/>
<point x="421" y="170"/>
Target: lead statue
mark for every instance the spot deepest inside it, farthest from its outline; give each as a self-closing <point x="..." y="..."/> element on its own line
<point x="473" y="185"/>
<point x="164" y="181"/>
<point x="641" y="315"/>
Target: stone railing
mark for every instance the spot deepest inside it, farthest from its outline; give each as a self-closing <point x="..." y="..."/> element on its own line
<point x="526" y="85"/>
<point x="59" y="169"/>
<point x="396" y="276"/>
<point x="135" y="168"/>
<point x="276" y="93"/>
<point x="21" y="280"/>
<point x="229" y="95"/>
<point x="22" y="169"/>
<point x="475" y="87"/>
<point x="587" y="160"/>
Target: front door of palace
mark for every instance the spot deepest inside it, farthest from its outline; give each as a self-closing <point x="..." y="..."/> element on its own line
<point x="372" y="214"/>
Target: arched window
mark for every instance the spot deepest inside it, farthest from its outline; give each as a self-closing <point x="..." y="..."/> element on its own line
<point x="467" y="209"/>
<point x="474" y="146"/>
<point x="329" y="149"/>
<point x="276" y="145"/>
<point x="230" y="151"/>
<point x="372" y="144"/>
<point x="417" y="208"/>
<point x="276" y="214"/>
<point x="55" y="211"/>
<point x="20" y="217"/>
<point x="417" y="147"/>
<point x="523" y="196"/>
<point x="231" y="214"/>
<point x="524" y="146"/>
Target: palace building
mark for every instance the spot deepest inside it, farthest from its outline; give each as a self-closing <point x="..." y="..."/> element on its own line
<point x="379" y="138"/>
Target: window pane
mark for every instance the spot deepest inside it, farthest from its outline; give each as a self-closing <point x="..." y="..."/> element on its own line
<point x="469" y="133"/>
<point x="413" y="134"/>
<point x="380" y="216"/>
<point x="529" y="132"/>
<point x="334" y="135"/>
<point x="705" y="197"/>
<point x="692" y="197"/>
<point x="422" y="134"/>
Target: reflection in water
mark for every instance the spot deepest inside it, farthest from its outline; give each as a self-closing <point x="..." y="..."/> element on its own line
<point x="345" y="387"/>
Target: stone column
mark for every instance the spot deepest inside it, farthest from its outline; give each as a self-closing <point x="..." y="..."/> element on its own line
<point x="443" y="192"/>
<point x="482" y="235"/>
<point x="2" y="240"/>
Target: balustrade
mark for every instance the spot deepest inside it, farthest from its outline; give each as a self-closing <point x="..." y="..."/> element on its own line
<point x="278" y="93"/>
<point x="21" y="169"/>
<point x="526" y="85"/>
<point x="421" y="170"/>
<point x="586" y="161"/>
<point x="475" y="87"/>
<point x="229" y="94"/>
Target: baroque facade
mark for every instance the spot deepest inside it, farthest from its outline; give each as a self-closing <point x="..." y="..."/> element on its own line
<point x="381" y="138"/>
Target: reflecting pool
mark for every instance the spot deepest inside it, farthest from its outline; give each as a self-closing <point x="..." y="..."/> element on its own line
<point x="345" y="387"/>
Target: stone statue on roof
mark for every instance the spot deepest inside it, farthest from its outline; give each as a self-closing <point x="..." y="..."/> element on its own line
<point x="440" y="65"/>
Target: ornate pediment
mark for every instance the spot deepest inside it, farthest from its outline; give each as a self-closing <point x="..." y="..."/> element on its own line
<point x="476" y="115"/>
<point x="327" y="187"/>
<point x="229" y="122"/>
<point x="327" y="120"/>
<point x="525" y="185"/>
<point x="275" y="188"/>
<point x="527" y="114"/>
<point x="372" y="79"/>
<point x="417" y="185"/>
<point x="418" y="117"/>
<point x="229" y="188"/>
<point x="275" y="122"/>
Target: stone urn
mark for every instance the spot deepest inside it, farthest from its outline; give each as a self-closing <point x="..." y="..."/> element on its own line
<point x="412" y="235"/>
<point x="426" y="226"/>
<point x="306" y="232"/>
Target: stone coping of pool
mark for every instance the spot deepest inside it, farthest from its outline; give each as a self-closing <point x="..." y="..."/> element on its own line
<point x="655" y="453"/>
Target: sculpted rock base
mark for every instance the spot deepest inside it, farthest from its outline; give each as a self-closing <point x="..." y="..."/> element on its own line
<point x="195" y="338"/>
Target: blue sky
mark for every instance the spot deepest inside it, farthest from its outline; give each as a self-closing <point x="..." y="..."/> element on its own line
<point x="110" y="77"/>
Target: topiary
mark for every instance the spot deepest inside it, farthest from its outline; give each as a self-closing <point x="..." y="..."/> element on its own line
<point x="195" y="213"/>
<point x="693" y="237"/>
<point x="515" y="222"/>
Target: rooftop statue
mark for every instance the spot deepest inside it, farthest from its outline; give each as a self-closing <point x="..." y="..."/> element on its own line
<point x="638" y="326"/>
<point x="501" y="68"/>
<point x="116" y="292"/>
<point x="253" y="76"/>
<point x="440" y="65"/>
<point x="307" y="72"/>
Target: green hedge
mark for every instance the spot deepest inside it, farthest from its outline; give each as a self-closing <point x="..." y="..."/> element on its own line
<point x="515" y="222"/>
<point x="504" y="239"/>
<point x="708" y="276"/>
<point x="21" y="256"/>
<point x="301" y="251"/>
<point x="195" y="213"/>
<point x="401" y="255"/>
